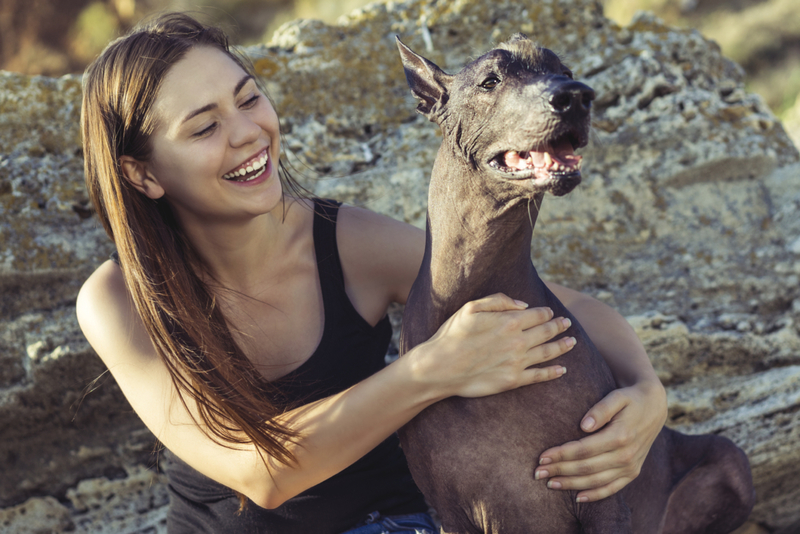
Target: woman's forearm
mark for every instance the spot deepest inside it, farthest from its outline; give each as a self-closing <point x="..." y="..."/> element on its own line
<point x="466" y="357"/>
<point x="351" y="423"/>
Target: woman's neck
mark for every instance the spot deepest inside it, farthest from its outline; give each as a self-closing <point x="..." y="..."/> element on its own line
<point x="240" y="255"/>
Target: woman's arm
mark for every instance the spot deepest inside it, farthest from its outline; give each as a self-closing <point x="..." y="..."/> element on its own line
<point x="461" y="359"/>
<point x="627" y="420"/>
<point x="378" y="253"/>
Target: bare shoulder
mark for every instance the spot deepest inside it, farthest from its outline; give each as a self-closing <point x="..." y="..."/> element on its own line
<point x="108" y="318"/>
<point x="367" y="228"/>
<point x="568" y="297"/>
<point x="379" y="251"/>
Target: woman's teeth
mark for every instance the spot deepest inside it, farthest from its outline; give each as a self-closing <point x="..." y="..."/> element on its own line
<point x="257" y="165"/>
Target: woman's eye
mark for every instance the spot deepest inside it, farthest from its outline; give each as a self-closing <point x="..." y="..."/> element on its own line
<point x="490" y="82"/>
<point x="205" y="131"/>
<point x="251" y="101"/>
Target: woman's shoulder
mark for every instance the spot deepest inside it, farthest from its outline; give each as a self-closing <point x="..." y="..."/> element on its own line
<point x="107" y="316"/>
<point x="383" y="252"/>
<point x="105" y="286"/>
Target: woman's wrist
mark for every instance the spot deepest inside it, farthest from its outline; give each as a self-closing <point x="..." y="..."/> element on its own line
<point x="654" y="393"/>
<point x="420" y="375"/>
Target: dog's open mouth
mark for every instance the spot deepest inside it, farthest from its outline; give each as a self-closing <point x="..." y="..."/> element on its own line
<point x="554" y="160"/>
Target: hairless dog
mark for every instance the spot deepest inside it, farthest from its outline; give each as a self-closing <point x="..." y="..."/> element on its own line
<point x="510" y="122"/>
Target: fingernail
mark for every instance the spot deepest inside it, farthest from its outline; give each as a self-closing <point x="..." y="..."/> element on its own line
<point x="570" y="341"/>
<point x="563" y="370"/>
<point x="566" y="322"/>
<point x="552" y="484"/>
<point x="521" y="304"/>
<point x="582" y="499"/>
<point x="542" y="474"/>
<point x="588" y="423"/>
<point x="545" y="461"/>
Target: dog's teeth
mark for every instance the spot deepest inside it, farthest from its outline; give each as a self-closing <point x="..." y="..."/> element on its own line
<point x="548" y="161"/>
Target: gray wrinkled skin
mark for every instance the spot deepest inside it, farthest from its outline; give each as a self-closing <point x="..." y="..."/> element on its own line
<point x="474" y="459"/>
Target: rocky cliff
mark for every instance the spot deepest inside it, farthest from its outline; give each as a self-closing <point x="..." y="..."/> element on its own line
<point x="688" y="222"/>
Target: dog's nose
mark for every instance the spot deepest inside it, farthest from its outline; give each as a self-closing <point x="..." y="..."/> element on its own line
<point x="572" y="96"/>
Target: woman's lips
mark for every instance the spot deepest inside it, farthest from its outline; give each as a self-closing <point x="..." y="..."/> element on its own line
<point x="249" y="170"/>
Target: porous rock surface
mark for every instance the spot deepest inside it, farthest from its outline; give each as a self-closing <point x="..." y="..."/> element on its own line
<point x="688" y="223"/>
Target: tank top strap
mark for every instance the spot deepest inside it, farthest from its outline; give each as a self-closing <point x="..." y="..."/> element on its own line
<point x="325" y="246"/>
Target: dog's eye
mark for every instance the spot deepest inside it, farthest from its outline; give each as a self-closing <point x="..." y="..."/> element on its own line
<point x="490" y="82"/>
<point x="568" y="73"/>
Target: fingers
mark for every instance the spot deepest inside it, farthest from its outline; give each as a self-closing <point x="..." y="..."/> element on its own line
<point x="543" y="374"/>
<point x="616" y="449"/>
<point x="498" y="351"/>
<point x="602" y="492"/>
<point x="495" y="303"/>
<point x="543" y="353"/>
<point x="601" y="464"/>
<point x="598" y="477"/>
<point x="599" y="416"/>
<point x="602" y="412"/>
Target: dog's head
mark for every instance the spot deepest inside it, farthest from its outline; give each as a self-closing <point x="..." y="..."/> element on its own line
<point x="514" y="113"/>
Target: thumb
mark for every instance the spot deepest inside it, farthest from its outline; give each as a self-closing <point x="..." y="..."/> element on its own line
<point x="602" y="412"/>
<point x="496" y="303"/>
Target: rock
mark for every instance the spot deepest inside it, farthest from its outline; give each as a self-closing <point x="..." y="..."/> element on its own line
<point x="687" y="222"/>
<point x="36" y="516"/>
<point x="135" y="504"/>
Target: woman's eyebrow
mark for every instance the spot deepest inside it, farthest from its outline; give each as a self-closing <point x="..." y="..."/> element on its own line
<point x="209" y="107"/>
<point x="241" y="83"/>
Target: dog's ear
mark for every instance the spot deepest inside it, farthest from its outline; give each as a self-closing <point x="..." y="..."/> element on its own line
<point x="428" y="82"/>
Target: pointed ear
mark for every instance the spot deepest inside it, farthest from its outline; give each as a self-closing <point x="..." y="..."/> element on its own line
<point x="136" y="173"/>
<point x="428" y="82"/>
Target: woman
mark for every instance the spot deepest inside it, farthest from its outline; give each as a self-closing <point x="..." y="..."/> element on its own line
<point x="246" y="324"/>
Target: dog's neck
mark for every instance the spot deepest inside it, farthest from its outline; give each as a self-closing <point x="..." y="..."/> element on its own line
<point x="481" y="244"/>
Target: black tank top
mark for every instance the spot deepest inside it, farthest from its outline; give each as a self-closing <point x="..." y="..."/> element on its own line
<point x="350" y="351"/>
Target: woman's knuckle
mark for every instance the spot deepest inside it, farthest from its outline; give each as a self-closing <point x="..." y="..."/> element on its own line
<point x="628" y="456"/>
<point x="541" y="315"/>
<point x="513" y="324"/>
<point x="558" y="348"/>
<point x="582" y="468"/>
<point x="622" y="440"/>
<point x="552" y="328"/>
<point x="510" y="381"/>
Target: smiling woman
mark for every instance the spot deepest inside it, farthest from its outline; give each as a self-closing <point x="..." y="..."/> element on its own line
<point x="141" y="142"/>
<point x="215" y="141"/>
<point x="245" y="321"/>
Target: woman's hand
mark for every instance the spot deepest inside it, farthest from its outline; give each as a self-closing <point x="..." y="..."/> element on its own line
<point x="627" y="422"/>
<point x="490" y="346"/>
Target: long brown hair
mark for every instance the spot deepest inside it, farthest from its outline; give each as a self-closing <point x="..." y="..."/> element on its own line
<point x="178" y="310"/>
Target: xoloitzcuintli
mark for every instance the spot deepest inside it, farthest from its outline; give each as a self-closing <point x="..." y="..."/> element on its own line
<point x="510" y="122"/>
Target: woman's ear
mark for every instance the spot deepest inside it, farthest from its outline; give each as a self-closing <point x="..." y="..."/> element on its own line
<point x="140" y="178"/>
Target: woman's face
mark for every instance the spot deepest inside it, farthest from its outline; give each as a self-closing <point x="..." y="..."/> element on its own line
<point x="216" y="143"/>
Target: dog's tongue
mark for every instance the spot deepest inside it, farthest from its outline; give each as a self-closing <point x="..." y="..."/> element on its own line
<point x="550" y="157"/>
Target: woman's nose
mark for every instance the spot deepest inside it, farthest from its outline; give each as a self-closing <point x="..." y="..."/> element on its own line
<point x="244" y="130"/>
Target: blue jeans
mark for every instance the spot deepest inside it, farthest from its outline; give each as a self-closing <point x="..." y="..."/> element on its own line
<point x="395" y="524"/>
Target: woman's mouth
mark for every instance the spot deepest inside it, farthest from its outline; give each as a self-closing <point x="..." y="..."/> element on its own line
<point x="250" y="170"/>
